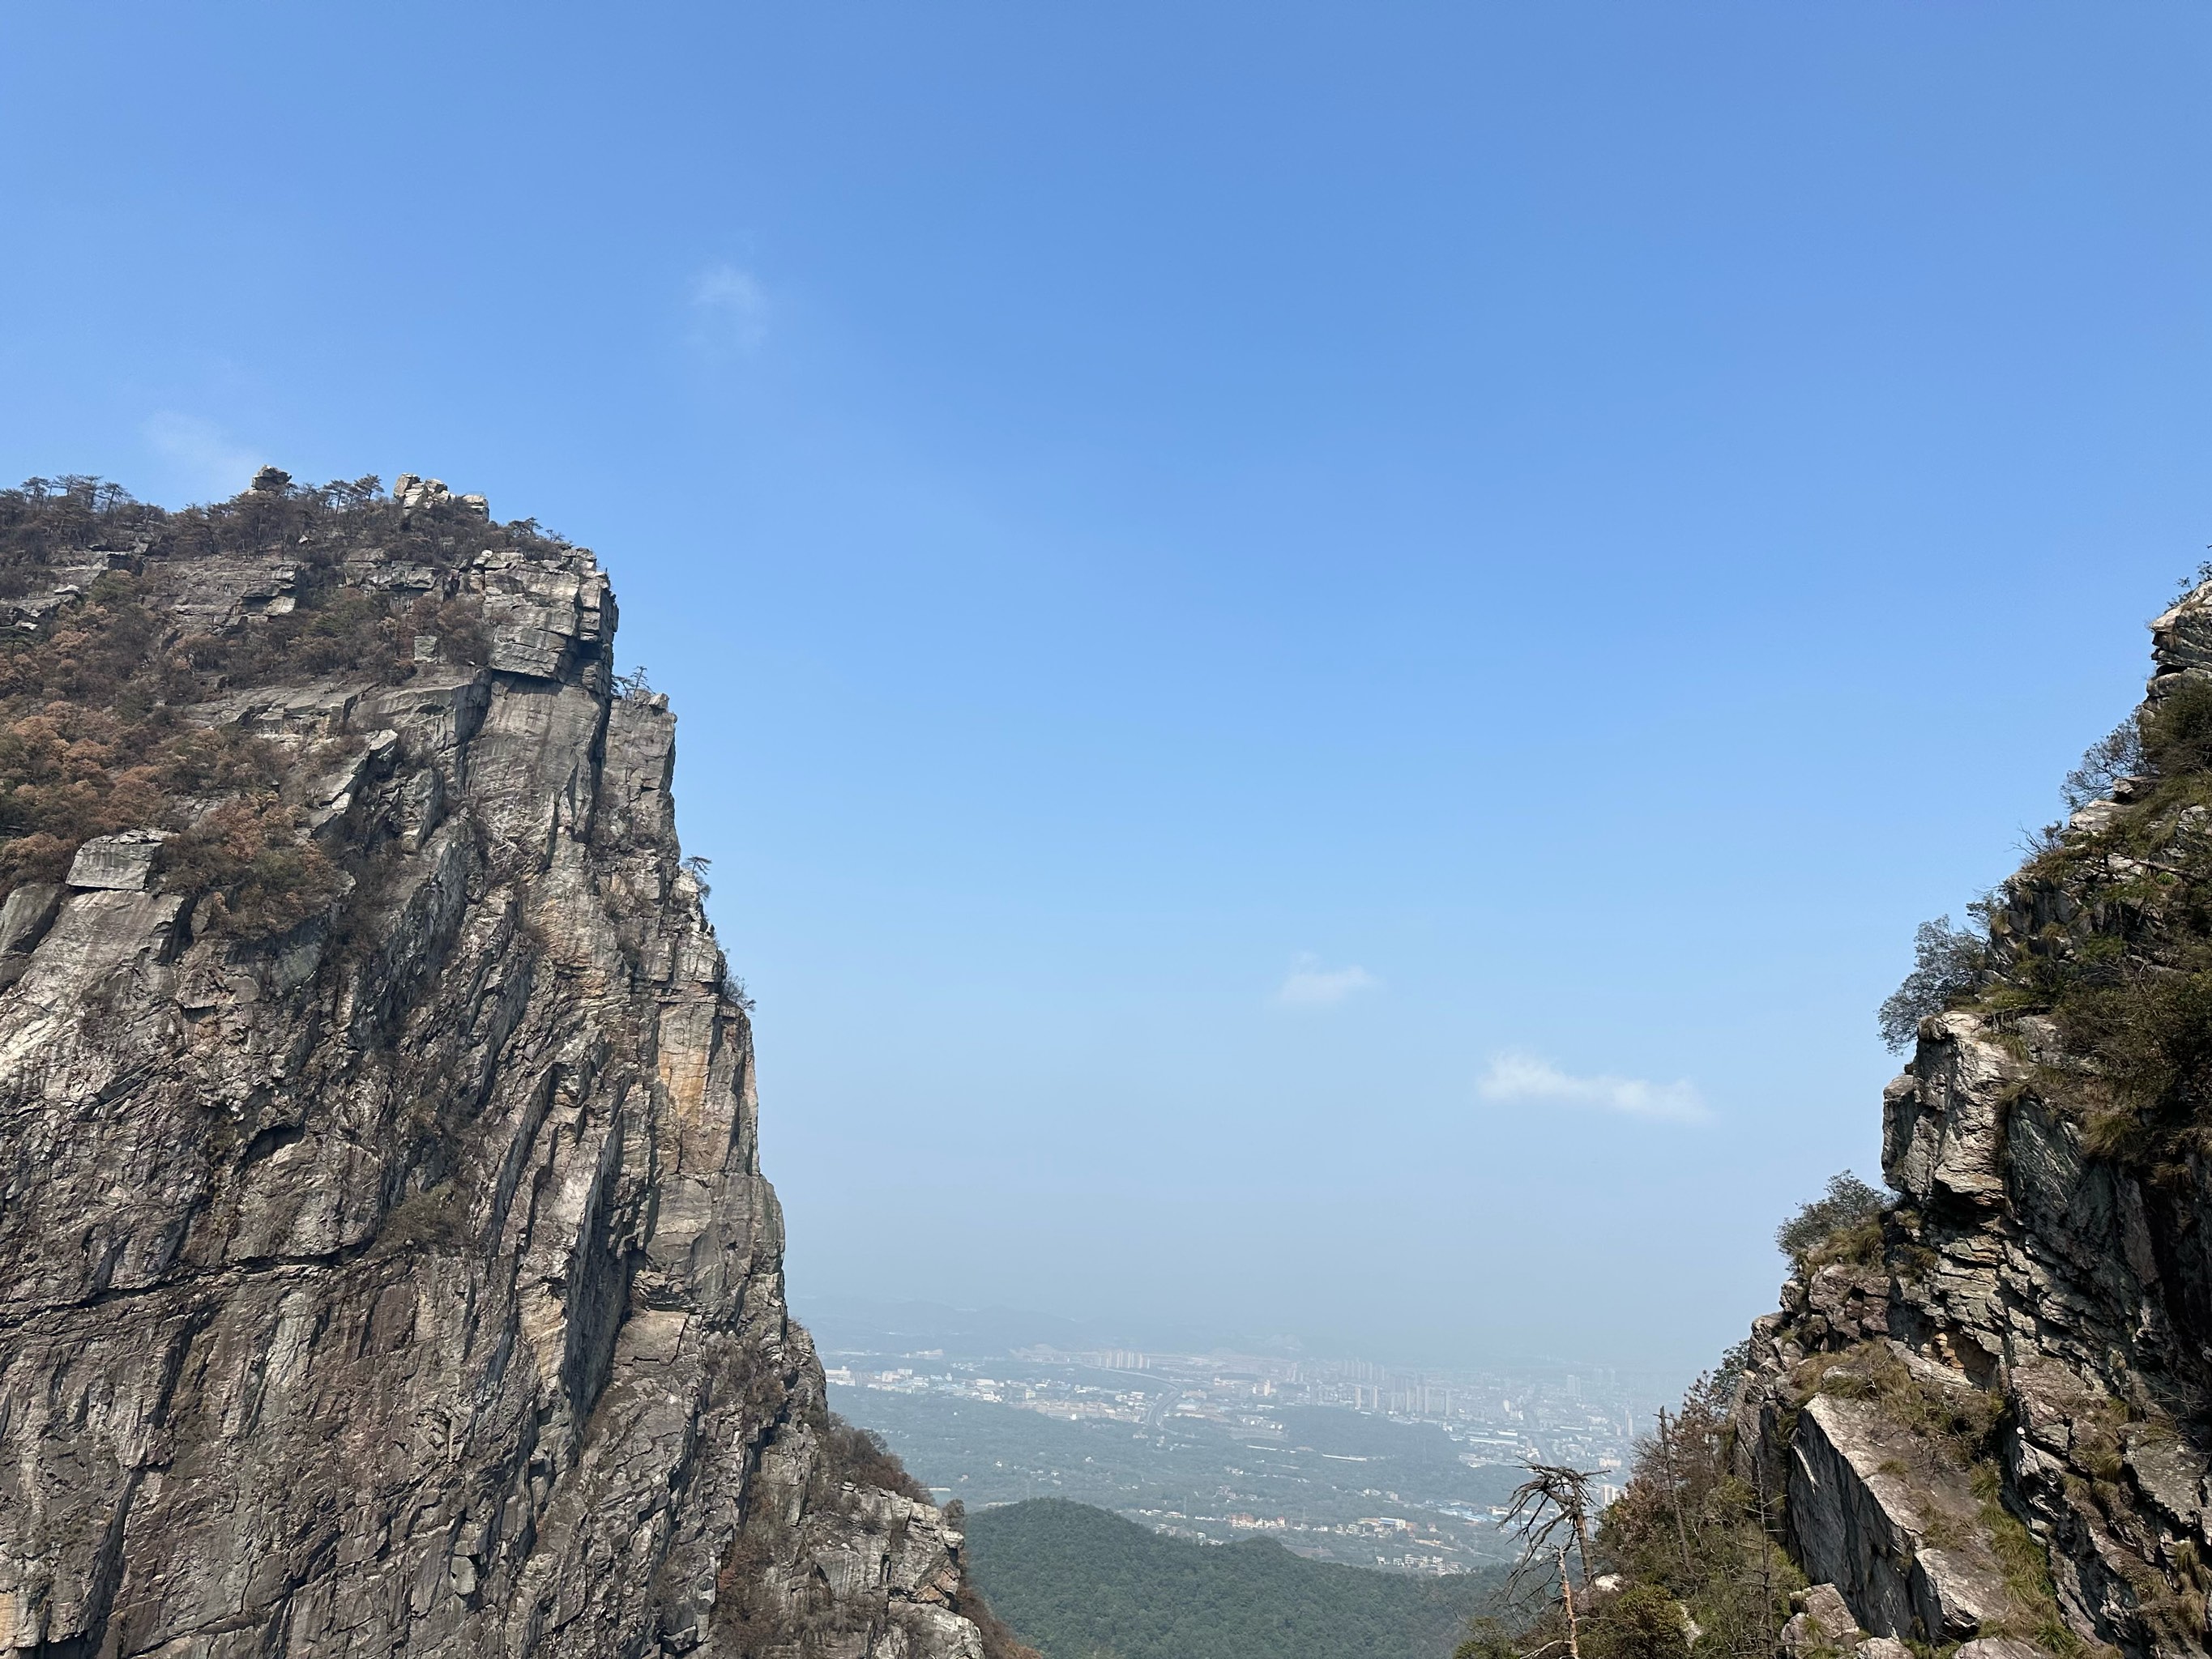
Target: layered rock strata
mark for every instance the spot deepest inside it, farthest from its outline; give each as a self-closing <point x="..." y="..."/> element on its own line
<point x="407" y="1282"/>
<point x="1994" y="1426"/>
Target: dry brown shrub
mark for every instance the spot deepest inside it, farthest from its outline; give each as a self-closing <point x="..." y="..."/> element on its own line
<point x="262" y="878"/>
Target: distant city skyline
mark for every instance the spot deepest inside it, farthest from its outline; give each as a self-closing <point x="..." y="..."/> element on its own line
<point x="941" y="1328"/>
<point x="1405" y="1471"/>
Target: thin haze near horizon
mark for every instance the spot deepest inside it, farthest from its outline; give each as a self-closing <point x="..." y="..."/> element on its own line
<point x="1326" y="652"/>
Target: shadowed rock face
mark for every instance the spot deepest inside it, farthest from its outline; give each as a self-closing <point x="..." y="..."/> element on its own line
<point x="408" y="1280"/>
<point x="2058" y="1295"/>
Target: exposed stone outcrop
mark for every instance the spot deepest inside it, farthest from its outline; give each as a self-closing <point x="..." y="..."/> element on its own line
<point x="1820" y="1622"/>
<point x="2018" y="1382"/>
<point x="407" y="1281"/>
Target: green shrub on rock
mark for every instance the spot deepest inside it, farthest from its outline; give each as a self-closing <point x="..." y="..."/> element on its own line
<point x="1844" y="1224"/>
<point x="1639" y="1622"/>
<point x="2177" y="729"/>
<point x="1948" y="963"/>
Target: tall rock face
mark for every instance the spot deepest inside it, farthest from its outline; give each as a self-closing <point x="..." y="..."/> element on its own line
<point x="384" y="1260"/>
<point x="1992" y="1416"/>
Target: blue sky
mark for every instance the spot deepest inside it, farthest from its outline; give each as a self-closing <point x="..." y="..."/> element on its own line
<point x="1326" y="652"/>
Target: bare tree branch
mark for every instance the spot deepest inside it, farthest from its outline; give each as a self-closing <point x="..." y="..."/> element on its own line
<point x="1555" y="1498"/>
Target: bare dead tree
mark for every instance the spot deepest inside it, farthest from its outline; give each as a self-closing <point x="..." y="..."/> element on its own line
<point x="1567" y="1594"/>
<point x="1547" y="1509"/>
<point x="1766" y="1556"/>
<point x="1666" y="1449"/>
<point x="1555" y="1498"/>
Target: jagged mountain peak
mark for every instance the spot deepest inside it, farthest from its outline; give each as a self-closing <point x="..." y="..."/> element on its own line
<point x="385" y="1260"/>
<point x="1990" y="1414"/>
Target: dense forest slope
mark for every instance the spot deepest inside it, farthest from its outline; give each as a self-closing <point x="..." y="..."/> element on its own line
<point x="384" y="1260"/>
<point x="1080" y="1583"/>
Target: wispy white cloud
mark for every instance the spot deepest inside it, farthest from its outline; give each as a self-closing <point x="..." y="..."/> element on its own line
<point x="1309" y="985"/>
<point x="207" y="458"/>
<point x="1520" y="1077"/>
<point x="729" y="310"/>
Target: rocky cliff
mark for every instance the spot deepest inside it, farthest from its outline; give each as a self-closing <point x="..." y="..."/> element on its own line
<point x="1989" y="1411"/>
<point x="385" y="1260"/>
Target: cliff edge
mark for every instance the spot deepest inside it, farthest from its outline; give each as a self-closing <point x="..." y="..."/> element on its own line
<point x="1991" y="1408"/>
<point x="384" y="1260"/>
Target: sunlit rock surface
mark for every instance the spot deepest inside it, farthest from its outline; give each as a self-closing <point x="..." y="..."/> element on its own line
<point x="2047" y="1302"/>
<point x="407" y="1282"/>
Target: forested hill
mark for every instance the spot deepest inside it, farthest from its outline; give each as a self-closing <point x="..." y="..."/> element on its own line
<point x="1077" y="1582"/>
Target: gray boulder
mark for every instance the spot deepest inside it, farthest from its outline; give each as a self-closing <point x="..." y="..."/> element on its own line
<point x="122" y="863"/>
